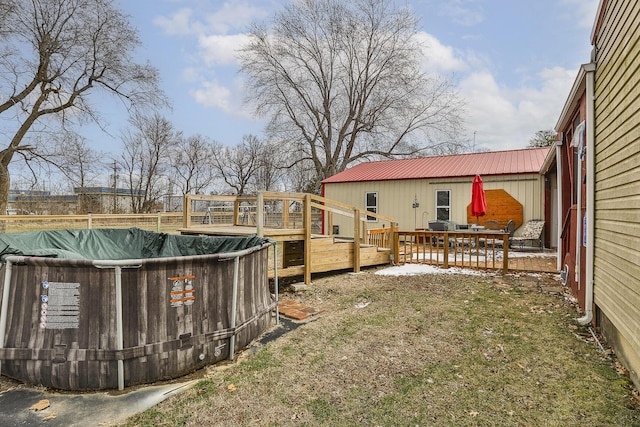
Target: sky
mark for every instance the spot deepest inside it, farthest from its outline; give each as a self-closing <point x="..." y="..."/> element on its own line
<point x="513" y="62"/>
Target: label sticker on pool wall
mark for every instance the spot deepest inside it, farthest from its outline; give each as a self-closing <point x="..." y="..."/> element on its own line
<point x="182" y="292"/>
<point x="60" y="305"/>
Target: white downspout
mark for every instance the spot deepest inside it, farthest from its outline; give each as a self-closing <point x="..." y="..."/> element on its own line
<point x="559" y="203"/>
<point x="590" y="206"/>
<point x="578" y="175"/>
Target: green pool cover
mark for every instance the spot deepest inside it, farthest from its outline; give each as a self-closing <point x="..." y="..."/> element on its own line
<point x="119" y="244"/>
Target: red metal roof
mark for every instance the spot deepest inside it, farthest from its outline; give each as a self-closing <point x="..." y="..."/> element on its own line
<point x="529" y="160"/>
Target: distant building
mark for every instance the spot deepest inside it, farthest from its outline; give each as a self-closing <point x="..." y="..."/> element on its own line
<point x="27" y="202"/>
<point x="105" y="199"/>
<point x="84" y="199"/>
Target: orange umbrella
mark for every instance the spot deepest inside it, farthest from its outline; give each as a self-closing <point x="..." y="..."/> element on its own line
<point x="478" y="201"/>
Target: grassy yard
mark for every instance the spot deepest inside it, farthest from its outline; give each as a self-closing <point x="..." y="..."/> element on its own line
<point x="430" y="350"/>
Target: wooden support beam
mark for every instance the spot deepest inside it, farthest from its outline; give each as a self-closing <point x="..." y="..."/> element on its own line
<point x="307" y="239"/>
<point x="445" y="244"/>
<point x="260" y="215"/>
<point x="505" y="253"/>
<point x="285" y="213"/>
<point x="186" y="211"/>
<point x="356" y="240"/>
<point x="395" y="242"/>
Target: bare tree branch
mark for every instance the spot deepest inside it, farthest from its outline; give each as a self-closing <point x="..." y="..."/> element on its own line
<point x="342" y="80"/>
<point x="55" y="53"/>
<point x="145" y="160"/>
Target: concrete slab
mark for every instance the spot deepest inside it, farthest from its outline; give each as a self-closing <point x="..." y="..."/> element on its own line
<point x="85" y="409"/>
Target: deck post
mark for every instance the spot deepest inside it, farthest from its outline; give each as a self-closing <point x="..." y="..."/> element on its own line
<point x="445" y="244"/>
<point x="307" y="238"/>
<point x="186" y="212"/>
<point x="395" y="244"/>
<point x="329" y="223"/>
<point x="505" y="253"/>
<point x="260" y="214"/>
<point x="356" y="240"/>
<point x="365" y="233"/>
<point x="285" y="213"/>
<point x="236" y="211"/>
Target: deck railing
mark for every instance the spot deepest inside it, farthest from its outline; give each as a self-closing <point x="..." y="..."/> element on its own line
<point x="302" y="214"/>
<point x="167" y="222"/>
<point x="380" y="237"/>
<point x="485" y="250"/>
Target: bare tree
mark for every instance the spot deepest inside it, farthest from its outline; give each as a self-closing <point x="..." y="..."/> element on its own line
<point x="80" y="164"/>
<point x="239" y="165"/>
<point x="271" y="172"/>
<point x="53" y="55"/>
<point x="343" y="80"/>
<point x="543" y="138"/>
<point x="145" y="160"/>
<point x="191" y="167"/>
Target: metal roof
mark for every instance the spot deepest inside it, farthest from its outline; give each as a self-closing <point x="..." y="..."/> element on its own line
<point x="512" y="162"/>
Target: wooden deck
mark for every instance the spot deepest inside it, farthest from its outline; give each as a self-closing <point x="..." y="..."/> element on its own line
<point x="289" y="218"/>
<point x="301" y="225"/>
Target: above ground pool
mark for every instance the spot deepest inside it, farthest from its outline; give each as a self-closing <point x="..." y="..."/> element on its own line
<point x="111" y="308"/>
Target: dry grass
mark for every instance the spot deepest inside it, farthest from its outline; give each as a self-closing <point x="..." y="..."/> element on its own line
<point x="428" y="350"/>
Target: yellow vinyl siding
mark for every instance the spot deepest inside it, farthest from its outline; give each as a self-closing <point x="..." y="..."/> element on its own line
<point x="617" y="162"/>
<point x="395" y="198"/>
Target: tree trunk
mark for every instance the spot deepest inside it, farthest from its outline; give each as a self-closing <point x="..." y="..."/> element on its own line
<point x="5" y="184"/>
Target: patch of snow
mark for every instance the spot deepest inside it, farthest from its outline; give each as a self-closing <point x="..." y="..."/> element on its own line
<point x="517" y="254"/>
<point x="419" y="269"/>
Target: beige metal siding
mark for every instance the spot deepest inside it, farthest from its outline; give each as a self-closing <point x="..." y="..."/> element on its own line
<point x="617" y="159"/>
<point x="395" y="198"/>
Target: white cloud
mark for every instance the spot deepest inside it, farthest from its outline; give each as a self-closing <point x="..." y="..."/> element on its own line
<point x="221" y="49"/>
<point x="232" y="16"/>
<point x="179" y="23"/>
<point x="224" y="97"/>
<point x="583" y="10"/>
<point x="463" y="12"/>
<point x="507" y="117"/>
<point x="212" y="94"/>
<point x="438" y="57"/>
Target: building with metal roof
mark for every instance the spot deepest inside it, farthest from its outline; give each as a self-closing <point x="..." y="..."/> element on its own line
<point x="419" y="190"/>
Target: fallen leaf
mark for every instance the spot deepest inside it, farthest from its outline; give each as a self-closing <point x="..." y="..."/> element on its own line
<point x="43" y="404"/>
<point x="50" y="416"/>
<point x="231" y="388"/>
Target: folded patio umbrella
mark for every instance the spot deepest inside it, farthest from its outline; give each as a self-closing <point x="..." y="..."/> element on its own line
<point x="478" y="201"/>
